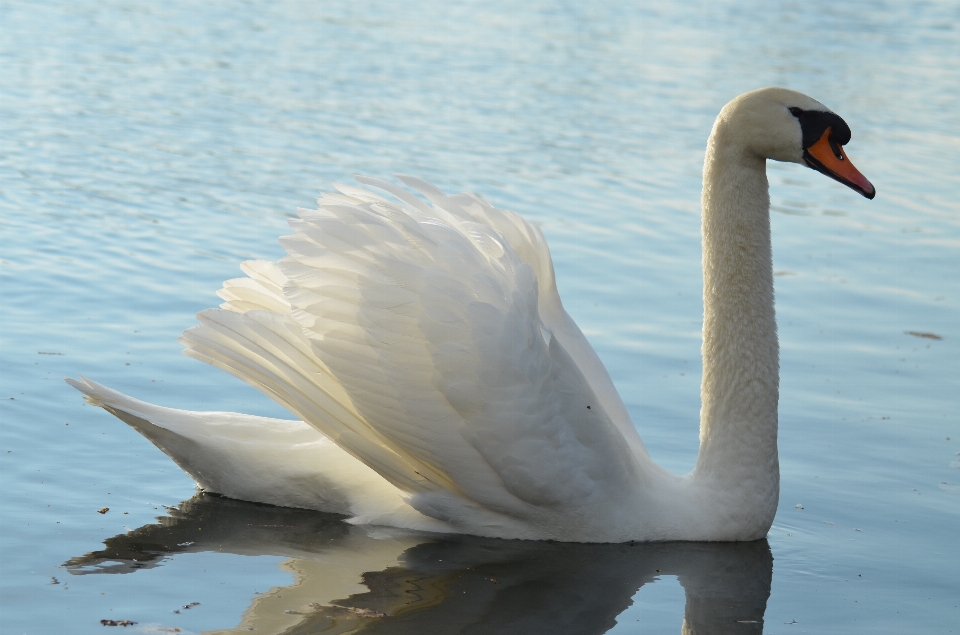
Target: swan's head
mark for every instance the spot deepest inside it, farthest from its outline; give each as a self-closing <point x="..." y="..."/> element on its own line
<point x="784" y="125"/>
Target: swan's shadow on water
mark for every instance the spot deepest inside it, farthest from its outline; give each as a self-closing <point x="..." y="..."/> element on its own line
<point x="424" y="584"/>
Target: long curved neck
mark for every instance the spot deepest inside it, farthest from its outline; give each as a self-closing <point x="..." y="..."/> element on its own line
<point x="740" y="389"/>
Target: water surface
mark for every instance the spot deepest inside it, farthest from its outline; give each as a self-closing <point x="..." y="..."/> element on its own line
<point x="146" y="149"/>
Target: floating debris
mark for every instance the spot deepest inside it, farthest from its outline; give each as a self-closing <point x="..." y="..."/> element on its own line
<point x="103" y="511"/>
<point x="495" y="581"/>
<point x="798" y="506"/>
<point x="924" y="335"/>
<point x="117" y="622"/>
<point x="191" y="605"/>
<point x="359" y="612"/>
<point x="47" y="353"/>
<point x="365" y="612"/>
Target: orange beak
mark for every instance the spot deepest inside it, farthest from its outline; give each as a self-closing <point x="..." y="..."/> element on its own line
<point x="827" y="156"/>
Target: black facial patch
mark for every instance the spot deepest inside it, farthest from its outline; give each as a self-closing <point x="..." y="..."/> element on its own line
<point x="814" y="123"/>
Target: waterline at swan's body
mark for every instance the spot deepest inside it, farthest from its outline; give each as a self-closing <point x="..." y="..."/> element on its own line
<point x="441" y="385"/>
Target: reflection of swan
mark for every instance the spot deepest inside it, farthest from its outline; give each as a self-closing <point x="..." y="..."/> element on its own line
<point x="344" y="578"/>
<point x="429" y="343"/>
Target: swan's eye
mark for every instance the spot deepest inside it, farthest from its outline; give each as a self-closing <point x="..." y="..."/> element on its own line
<point x="837" y="149"/>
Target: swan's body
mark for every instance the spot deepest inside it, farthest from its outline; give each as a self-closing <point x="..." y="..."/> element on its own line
<point x="446" y="389"/>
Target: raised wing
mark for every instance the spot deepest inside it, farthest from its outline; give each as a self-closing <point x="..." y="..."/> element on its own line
<point x="415" y="340"/>
<point x="528" y="242"/>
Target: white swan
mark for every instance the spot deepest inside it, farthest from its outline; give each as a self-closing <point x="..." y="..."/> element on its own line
<point x="444" y="388"/>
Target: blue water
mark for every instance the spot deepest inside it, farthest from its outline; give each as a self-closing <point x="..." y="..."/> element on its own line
<point x="146" y="149"/>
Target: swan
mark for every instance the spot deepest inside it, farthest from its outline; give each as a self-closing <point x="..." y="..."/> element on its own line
<point x="440" y="386"/>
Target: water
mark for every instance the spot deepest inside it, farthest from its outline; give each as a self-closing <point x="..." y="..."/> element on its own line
<point x="148" y="148"/>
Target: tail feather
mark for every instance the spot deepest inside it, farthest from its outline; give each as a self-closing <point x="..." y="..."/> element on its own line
<point x="236" y="455"/>
<point x="259" y="459"/>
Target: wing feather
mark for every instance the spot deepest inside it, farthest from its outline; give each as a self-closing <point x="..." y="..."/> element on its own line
<point x="420" y="338"/>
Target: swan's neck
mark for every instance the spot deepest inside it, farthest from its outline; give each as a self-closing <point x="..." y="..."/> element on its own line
<point x="740" y="389"/>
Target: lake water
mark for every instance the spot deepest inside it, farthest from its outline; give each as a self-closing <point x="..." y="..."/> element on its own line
<point x="148" y="148"/>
